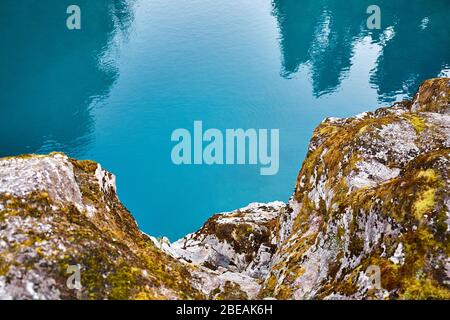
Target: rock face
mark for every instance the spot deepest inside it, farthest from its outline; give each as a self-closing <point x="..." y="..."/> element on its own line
<point x="236" y="247"/>
<point x="369" y="218"/>
<point x="241" y="241"/>
<point x="57" y="212"/>
<point x="373" y="193"/>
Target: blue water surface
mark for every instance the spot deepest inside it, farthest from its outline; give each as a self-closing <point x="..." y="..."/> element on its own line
<point x="116" y="89"/>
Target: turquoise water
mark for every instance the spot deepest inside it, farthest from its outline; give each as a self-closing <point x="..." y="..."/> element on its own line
<point x="116" y="89"/>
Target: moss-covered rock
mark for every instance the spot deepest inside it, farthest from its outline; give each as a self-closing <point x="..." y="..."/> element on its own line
<point x="372" y="194"/>
<point x="234" y="248"/>
<point x="58" y="212"/>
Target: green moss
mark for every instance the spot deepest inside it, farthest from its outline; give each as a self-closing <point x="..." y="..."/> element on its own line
<point x="269" y="286"/>
<point x="87" y="166"/>
<point x="348" y="285"/>
<point x="429" y="175"/>
<point x="123" y="283"/>
<point x="111" y="269"/>
<point x="425" y="289"/>
<point x="433" y="95"/>
<point x="340" y="232"/>
<point x="424" y="203"/>
<point x="4" y="267"/>
<point x="231" y="291"/>
<point x="214" y="292"/>
<point x="356" y="245"/>
<point x="417" y="122"/>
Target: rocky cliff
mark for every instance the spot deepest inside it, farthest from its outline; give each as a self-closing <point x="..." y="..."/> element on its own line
<point x="369" y="218"/>
<point x="372" y="194"/>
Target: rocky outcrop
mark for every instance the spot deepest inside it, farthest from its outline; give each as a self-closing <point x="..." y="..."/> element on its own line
<point x="240" y="241"/>
<point x="235" y="247"/>
<point x="231" y="252"/>
<point x="369" y="218"/>
<point x="58" y="213"/>
<point x="372" y="194"/>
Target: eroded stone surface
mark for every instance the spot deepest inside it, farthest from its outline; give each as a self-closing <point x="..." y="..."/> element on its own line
<point x="373" y="191"/>
<point x="57" y="212"/>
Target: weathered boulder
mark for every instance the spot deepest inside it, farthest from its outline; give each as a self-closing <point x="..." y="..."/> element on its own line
<point x="57" y="212"/>
<point x="373" y="193"/>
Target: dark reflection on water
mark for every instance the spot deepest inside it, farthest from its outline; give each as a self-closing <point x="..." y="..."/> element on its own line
<point x="323" y="34"/>
<point x="50" y="75"/>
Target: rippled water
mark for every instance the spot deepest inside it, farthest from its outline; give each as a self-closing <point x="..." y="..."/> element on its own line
<point x="116" y="89"/>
